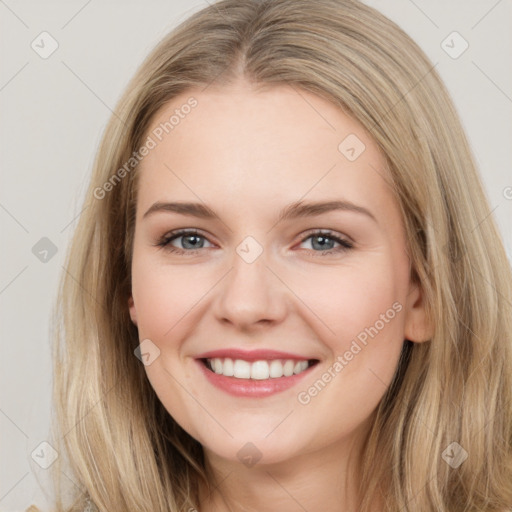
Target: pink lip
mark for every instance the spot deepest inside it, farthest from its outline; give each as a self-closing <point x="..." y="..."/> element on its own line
<point x="251" y="388"/>
<point x="252" y="355"/>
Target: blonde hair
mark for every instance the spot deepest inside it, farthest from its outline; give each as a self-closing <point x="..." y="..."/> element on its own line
<point x="124" y="449"/>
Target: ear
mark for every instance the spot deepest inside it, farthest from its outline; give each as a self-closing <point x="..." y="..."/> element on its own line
<point x="417" y="327"/>
<point x="133" y="311"/>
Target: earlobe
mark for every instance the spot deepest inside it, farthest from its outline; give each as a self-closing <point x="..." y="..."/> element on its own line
<point x="418" y="327"/>
<point x="133" y="311"/>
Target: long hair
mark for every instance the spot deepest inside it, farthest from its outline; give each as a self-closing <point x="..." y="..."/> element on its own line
<point x="451" y="394"/>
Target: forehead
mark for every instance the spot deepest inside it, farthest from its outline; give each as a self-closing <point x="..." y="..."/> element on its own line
<point x="252" y="144"/>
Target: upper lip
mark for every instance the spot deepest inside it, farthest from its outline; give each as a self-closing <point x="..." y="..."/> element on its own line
<point x="251" y="355"/>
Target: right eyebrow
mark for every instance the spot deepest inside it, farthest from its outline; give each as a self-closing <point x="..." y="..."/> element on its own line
<point x="193" y="209"/>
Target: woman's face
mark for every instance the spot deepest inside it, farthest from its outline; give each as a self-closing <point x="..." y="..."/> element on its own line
<point x="294" y="256"/>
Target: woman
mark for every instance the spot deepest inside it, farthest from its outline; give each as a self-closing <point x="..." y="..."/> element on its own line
<point x="213" y="355"/>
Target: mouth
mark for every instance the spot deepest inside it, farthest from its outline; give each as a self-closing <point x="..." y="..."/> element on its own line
<point x="258" y="378"/>
<point x="256" y="373"/>
<point x="262" y="369"/>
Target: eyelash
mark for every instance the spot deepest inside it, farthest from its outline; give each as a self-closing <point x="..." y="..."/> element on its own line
<point x="164" y="242"/>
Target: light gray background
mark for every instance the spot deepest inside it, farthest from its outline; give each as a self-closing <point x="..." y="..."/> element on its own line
<point x="54" y="111"/>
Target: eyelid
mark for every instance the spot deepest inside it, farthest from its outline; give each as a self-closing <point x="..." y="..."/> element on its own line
<point x="344" y="243"/>
<point x="164" y="241"/>
<point x="327" y="232"/>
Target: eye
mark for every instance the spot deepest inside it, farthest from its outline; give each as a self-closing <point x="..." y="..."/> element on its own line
<point x="323" y="242"/>
<point x="191" y="241"/>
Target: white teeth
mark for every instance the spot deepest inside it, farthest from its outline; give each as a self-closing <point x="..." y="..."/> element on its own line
<point x="257" y="370"/>
<point x="227" y="367"/>
<point x="241" y="368"/>
<point x="300" y="366"/>
<point x="288" y="368"/>
<point x="276" y="369"/>
<point x="217" y="365"/>
<point x="260" y="370"/>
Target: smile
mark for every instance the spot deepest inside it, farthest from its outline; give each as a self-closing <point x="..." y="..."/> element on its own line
<point x="257" y="378"/>
<point x="257" y="370"/>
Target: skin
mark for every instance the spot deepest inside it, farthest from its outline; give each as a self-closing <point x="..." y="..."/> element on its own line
<point x="247" y="154"/>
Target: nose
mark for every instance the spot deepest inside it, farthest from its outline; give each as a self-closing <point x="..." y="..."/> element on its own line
<point x="251" y="295"/>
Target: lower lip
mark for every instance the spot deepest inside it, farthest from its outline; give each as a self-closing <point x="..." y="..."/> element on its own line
<point x="251" y="388"/>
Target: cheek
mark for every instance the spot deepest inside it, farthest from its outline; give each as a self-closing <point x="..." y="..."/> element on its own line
<point x="352" y="299"/>
<point x="163" y="296"/>
<point x="362" y="309"/>
<point x="364" y="313"/>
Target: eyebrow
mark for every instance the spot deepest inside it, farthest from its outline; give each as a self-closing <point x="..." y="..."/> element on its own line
<point x="292" y="211"/>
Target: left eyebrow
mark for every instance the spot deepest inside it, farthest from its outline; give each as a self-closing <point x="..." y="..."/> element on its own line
<point x="292" y="211"/>
<point x="301" y="209"/>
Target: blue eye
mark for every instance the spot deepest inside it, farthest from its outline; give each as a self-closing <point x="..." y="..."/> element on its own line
<point x="322" y="242"/>
<point x="192" y="241"/>
<point x="325" y="240"/>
